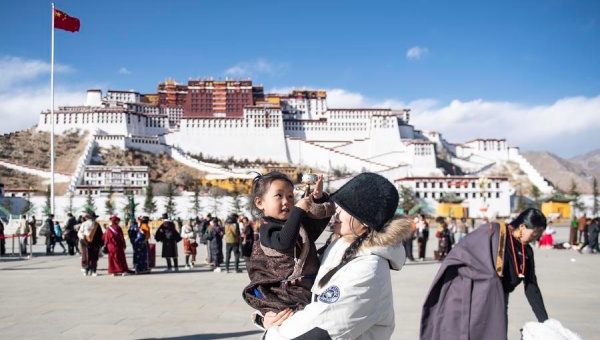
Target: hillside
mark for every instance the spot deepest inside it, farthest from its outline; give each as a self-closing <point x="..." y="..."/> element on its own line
<point x="589" y="162"/>
<point x="559" y="171"/>
<point x="31" y="147"/>
<point x="162" y="167"/>
<point x="17" y="180"/>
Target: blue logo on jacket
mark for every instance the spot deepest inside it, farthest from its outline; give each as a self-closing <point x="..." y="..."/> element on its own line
<point x="330" y="295"/>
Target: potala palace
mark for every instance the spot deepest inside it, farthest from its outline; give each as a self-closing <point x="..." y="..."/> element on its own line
<point x="234" y="118"/>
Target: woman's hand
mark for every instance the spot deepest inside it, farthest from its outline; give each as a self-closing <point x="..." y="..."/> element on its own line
<point x="318" y="191"/>
<point x="271" y="319"/>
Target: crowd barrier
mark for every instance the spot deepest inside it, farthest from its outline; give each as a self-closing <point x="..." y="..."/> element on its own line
<point x="20" y="239"/>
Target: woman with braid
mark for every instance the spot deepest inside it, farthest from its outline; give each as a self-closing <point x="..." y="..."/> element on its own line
<point x="352" y="294"/>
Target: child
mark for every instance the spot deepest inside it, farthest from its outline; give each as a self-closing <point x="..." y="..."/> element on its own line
<point x="444" y="243"/>
<point x="547" y="240"/>
<point x="58" y="238"/>
<point x="284" y="261"/>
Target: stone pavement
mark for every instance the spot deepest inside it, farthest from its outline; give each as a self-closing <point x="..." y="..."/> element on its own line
<point x="48" y="297"/>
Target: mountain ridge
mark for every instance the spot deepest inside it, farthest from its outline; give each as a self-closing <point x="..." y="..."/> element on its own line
<point x="562" y="172"/>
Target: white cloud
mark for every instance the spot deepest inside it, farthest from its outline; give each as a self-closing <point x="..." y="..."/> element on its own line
<point x="260" y="66"/>
<point x="416" y="52"/>
<point x="25" y="92"/>
<point x="17" y="71"/>
<point x="567" y="127"/>
<point x="124" y="70"/>
<point x="344" y="99"/>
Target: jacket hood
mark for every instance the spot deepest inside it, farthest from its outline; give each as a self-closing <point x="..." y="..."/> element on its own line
<point x="387" y="243"/>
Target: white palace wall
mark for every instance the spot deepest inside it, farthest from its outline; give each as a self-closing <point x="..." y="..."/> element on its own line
<point x="238" y="138"/>
<point x="108" y="121"/>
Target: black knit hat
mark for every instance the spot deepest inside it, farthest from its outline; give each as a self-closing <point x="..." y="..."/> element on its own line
<point x="370" y="198"/>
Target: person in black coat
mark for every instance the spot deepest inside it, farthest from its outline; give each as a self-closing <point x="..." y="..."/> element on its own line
<point x="70" y="234"/>
<point x="594" y="231"/>
<point x="169" y="236"/>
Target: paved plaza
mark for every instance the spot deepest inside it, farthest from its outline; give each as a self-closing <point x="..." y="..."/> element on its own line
<point x="47" y="297"/>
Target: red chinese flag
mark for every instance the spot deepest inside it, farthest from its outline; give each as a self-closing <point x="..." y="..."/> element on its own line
<point x="64" y="22"/>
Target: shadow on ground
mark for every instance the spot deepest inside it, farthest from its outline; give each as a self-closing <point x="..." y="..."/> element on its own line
<point x="209" y="336"/>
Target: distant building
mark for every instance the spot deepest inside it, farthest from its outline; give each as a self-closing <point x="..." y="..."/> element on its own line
<point x="235" y="119"/>
<point x="490" y="197"/>
<point x="123" y="96"/>
<point x="557" y="207"/>
<point x="172" y="93"/>
<point x="99" y="179"/>
<point x="219" y="99"/>
<point x="300" y="104"/>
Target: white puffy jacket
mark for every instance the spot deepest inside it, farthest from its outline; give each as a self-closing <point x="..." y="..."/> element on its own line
<point x="357" y="302"/>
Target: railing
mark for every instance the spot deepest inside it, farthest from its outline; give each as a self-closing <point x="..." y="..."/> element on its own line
<point x="84" y="160"/>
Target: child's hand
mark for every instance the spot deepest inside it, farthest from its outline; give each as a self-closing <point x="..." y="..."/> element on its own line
<point x="304" y="203"/>
<point x="318" y="191"/>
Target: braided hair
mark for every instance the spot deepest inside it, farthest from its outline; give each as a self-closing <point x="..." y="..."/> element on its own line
<point x="349" y="255"/>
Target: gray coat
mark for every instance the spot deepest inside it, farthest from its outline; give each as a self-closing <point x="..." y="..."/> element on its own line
<point x="466" y="299"/>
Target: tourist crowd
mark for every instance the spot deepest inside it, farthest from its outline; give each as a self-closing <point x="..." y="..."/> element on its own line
<point x="342" y="290"/>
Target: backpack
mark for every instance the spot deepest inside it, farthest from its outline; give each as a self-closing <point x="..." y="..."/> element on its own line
<point x="231" y="233"/>
<point x="204" y="232"/>
<point x="171" y="233"/>
<point x="57" y="231"/>
<point x="132" y="232"/>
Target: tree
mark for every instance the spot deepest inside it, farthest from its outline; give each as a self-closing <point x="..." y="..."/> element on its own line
<point x="595" y="202"/>
<point x="170" y="204"/>
<point x="536" y="194"/>
<point x="576" y="196"/>
<point x="149" y="203"/>
<point x="196" y="206"/>
<point x="215" y="194"/>
<point x="128" y="208"/>
<point x="236" y="204"/>
<point x="47" y="210"/>
<point x="90" y="206"/>
<point x="407" y="199"/>
<point x="109" y="205"/>
<point x="69" y="209"/>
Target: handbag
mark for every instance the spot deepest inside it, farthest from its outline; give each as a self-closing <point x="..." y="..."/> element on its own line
<point x="44" y="230"/>
<point x="104" y="250"/>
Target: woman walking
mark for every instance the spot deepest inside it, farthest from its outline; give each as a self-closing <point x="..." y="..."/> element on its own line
<point x="444" y="240"/>
<point x="91" y="239"/>
<point x="169" y="236"/>
<point x="247" y="238"/>
<point x="141" y="255"/>
<point x="115" y="243"/>
<point x="190" y="245"/>
<point x="215" y="243"/>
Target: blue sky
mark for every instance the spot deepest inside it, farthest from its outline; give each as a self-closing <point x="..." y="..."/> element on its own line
<point x="525" y="71"/>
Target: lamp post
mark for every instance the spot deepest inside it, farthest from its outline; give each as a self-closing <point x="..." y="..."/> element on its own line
<point x="131" y="208"/>
<point x="29" y="205"/>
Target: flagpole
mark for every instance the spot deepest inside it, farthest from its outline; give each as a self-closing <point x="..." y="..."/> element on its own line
<point x="52" y="116"/>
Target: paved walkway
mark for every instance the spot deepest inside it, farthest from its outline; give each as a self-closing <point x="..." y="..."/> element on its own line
<point x="48" y="297"/>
